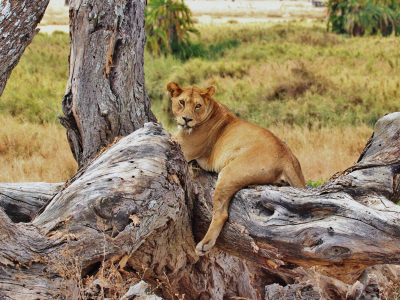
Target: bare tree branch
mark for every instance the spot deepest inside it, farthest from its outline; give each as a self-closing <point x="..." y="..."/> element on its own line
<point x="18" y="21"/>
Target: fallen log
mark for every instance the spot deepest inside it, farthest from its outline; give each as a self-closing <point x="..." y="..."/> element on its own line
<point x="134" y="205"/>
<point x="131" y="208"/>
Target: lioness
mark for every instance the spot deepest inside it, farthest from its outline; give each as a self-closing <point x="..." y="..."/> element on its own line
<point x="242" y="153"/>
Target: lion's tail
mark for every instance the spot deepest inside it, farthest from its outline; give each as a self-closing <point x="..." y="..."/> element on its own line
<point x="294" y="175"/>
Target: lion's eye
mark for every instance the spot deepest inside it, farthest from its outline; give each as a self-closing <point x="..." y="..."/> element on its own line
<point x="198" y="106"/>
<point x="182" y="102"/>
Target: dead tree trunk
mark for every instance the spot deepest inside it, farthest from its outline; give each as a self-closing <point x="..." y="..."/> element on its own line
<point x="105" y="95"/>
<point x="105" y="98"/>
<point x="133" y="205"/>
<point x="342" y="227"/>
<point x="18" y="21"/>
<point x="22" y="201"/>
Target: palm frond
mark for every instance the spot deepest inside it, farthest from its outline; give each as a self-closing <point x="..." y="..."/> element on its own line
<point x="169" y="22"/>
<point x="359" y="17"/>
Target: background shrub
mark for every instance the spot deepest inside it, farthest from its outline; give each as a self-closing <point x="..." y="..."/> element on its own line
<point x="364" y="17"/>
<point x="168" y="24"/>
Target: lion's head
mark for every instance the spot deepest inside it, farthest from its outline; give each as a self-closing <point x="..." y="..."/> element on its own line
<point x="190" y="105"/>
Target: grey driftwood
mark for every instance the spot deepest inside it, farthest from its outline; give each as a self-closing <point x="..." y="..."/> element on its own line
<point x="137" y="203"/>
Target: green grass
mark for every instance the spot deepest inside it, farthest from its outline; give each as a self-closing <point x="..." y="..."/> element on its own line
<point x="289" y="73"/>
<point x="315" y="183"/>
<point x="319" y="92"/>
<point x="36" y="86"/>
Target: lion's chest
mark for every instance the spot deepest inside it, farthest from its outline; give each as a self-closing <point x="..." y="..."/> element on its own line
<point x="208" y="165"/>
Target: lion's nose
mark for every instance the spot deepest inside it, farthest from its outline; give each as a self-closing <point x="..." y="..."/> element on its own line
<point x="187" y="120"/>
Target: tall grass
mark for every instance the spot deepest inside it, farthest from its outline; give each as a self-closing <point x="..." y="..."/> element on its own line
<point x="324" y="151"/>
<point x="34" y="152"/>
<point x="37" y="84"/>
<point x="319" y="92"/>
<point x="292" y="74"/>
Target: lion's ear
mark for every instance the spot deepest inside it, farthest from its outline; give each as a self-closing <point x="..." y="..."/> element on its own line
<point x="174" y="89"/>
<point x="208" y="92"/>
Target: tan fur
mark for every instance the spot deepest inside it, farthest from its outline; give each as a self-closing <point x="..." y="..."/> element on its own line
<point x="242" y="153"/>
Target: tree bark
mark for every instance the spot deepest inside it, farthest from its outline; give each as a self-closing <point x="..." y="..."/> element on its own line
<point x="18" y="21"/>
<point x="105" y="95"/>
<point x="134" y="206"/>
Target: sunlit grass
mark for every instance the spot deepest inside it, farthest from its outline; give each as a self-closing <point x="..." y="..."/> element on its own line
<point x="324" y="151"/>
<point x="320" y="93"/>
<point x="37" y="84"/>
<point x="290" y="74"/>
<point x="34" y="152"/>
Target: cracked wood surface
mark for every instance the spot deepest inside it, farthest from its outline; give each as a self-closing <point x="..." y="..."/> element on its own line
<point x="342" y="227"/>
<point x="133" y="204"/>
<point x="22" y="201"/>
<point x="18" y="22"/>
<point x="105" y="95"/>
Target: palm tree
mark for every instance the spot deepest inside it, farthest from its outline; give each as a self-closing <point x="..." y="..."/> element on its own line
<point x="359" y="17"/>
<point x="168" y="24"/>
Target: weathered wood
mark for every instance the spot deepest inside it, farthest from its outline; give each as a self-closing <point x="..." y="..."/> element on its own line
<point x="145" y="175"/>
<point x="367" y="290"/>
<point x="134" y="204"/>
<point x="22" y="201"/>
<point x="105" y="95"/>
<point x="18" y="21"/>
<point x="375" y="281"/>
<point x="293" y="292"/>
<point x="138" y="292"/>
<point x="131" y="206"/>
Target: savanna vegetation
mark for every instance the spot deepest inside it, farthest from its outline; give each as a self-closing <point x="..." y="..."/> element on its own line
<point x="321" y="93"/>
<point x="33" y="145"/>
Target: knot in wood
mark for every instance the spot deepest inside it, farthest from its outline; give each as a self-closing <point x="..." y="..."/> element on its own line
<point x="115" y="211"/>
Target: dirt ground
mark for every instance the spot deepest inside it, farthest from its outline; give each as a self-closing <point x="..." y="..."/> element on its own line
<point x="211" y="11"/>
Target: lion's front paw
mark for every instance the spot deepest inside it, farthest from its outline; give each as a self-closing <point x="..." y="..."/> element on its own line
<point x="203" y="248"/>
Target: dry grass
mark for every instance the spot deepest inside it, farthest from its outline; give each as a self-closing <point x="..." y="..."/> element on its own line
<point x="390" y="291"/>
<point x="108" y="279"/>
<point x="325" y="151"/>
<point x="32" y="152"/>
